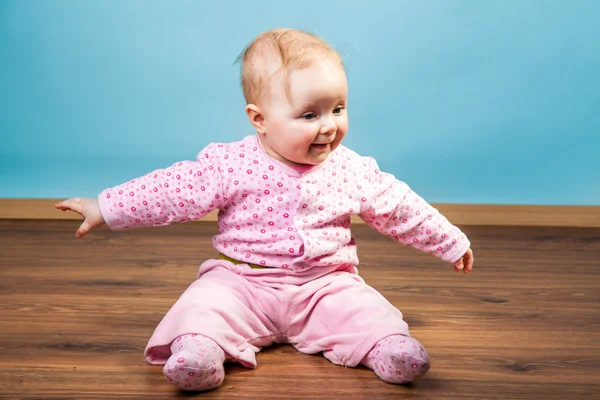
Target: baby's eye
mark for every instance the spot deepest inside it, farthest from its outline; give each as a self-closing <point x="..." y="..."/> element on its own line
<point x="309" y="116"/>
<point x="338" y="110"/>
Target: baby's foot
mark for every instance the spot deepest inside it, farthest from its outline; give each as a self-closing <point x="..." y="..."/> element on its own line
<point x="398" y="359"/>
<point x="196" y="363"/>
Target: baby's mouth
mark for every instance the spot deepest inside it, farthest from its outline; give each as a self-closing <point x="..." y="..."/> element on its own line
<point x="320" y="146"/>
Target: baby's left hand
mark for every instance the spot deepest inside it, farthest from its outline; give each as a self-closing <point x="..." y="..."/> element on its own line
<point x="465" y="263"/>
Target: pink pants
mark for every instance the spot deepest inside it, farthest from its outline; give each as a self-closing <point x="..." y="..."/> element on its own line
<point x="243" y="310"/>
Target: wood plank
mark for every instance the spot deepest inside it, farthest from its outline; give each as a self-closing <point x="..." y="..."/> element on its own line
<point x="460" y="214"/>
<point x="77" y="314"/>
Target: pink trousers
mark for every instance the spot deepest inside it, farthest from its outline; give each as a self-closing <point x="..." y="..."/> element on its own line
<point x="243" y="310"/>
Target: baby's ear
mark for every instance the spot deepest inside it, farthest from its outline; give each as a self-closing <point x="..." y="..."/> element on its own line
<point x="256" y="117"/>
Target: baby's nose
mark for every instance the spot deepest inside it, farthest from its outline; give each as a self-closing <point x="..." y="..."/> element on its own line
<point x="328" y="127"/>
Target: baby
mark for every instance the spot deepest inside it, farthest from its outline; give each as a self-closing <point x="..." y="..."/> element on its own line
<point x="287" y="265"/>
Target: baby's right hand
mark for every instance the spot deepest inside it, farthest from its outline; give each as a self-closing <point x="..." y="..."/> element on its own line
<point x="88" y="209"/>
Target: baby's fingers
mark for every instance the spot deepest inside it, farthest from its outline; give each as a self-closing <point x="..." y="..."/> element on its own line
<point x="468" y="260"/>
<point x="83" y="230"/>
<point x="458" y="266"/>
<point x="72" y="204"/>
<point x="469" y="264"/>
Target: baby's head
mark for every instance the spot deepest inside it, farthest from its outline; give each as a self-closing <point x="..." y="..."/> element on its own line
<point x="296" y="94"/>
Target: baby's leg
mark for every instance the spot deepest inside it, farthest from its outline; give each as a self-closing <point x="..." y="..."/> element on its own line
<point x="398" y="359"/>
<point x="352" y="323"/>
<point x="196" y="363"/>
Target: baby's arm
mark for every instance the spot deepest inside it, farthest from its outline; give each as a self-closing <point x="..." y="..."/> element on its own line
<point x="186" y="191"/>
<point x="393" y="209"/>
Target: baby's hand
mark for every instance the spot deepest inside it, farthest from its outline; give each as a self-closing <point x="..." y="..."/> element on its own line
<point x="465" y="263"/>
<point x="88" y="209"/>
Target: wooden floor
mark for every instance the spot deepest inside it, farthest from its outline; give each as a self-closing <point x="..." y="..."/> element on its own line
<point x="75" y="316"/>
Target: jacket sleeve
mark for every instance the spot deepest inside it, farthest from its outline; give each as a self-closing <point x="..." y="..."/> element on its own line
<point x="185" y="191"/>
<point x="392" y="208"/>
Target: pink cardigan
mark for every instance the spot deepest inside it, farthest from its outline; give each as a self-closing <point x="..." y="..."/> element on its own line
<point x="273" y="215"/>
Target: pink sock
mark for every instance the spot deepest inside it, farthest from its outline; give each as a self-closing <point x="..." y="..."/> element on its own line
<point x="196" y="363"/>
<point x="398" y="359"/>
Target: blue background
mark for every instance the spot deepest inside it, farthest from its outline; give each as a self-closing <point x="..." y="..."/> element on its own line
<point x="494" y="101"/>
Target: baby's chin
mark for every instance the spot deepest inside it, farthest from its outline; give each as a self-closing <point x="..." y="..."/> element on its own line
<point x="316" y="156"/>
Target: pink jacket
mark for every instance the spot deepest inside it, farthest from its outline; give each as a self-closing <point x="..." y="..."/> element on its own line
<point x="273" y="215"/>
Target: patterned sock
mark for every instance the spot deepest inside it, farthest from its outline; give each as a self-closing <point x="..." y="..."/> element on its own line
<point x="398" y="359"/>
<point x="196" y="363"/>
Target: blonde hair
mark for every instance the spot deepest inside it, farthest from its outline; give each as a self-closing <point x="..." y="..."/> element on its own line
<point x="280" y="50"/>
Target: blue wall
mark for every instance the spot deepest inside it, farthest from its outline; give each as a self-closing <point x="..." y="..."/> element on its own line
<point x="494" y="101"/>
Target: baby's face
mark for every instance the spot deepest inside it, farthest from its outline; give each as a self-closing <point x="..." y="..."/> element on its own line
<point x="304" y="127"/>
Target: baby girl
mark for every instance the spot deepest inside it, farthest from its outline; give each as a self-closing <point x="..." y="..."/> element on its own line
<point x="287" y="265"/>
